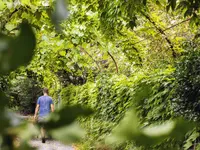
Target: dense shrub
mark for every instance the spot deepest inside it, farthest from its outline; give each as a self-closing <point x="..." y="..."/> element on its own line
<point x="158" y="96"/>
<point x="187" y="76"/>
<point x="112" y="95"/>
<point x="23" y="93"/>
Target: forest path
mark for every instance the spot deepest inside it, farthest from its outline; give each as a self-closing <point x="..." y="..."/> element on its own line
<point x="49" y="145"/>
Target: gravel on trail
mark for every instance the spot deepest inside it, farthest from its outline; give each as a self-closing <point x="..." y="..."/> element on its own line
<point x="49" y="145"/>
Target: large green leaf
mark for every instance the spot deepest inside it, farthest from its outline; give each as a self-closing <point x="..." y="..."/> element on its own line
<point x="69" y="134"/>
<point x="66" y="116"/>
<point x="25" y="131"/>
<point x="17" y="51"/>
<point x="129" y="129"/>
<point x="3" y="100"/>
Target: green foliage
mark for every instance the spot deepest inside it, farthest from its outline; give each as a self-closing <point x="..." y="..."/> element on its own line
<point x="187" y="90"/>
<point x="191" y="140"/>
<point x="60" y="119"/>
<point x="13" y="50"/>
<point x="156" y="105"/>
<point x="61" y="124"/>
<point x="23" y="92"/>
<point x="14" y="53"/>
<point x="99" y="96"/>
<point x="114" y="13"/>
<point x="129" y="129"/>
<point x="136" y="39"/>
<point x="10" y="60"/>
<point x="111" y="96"/>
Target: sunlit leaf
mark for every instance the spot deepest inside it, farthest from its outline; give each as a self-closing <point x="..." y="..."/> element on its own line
<point x="2" y="5"/>
<point x="69" y="45"/>
<point x="26" y="2"/>
<point x="62" y="53"/>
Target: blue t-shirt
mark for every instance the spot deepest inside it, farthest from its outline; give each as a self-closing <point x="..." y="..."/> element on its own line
<point x="45" y="105"/>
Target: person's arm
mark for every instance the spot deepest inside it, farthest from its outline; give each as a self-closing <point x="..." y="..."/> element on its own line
<point x="36" y="111"/>
<point x="52" y="107"/>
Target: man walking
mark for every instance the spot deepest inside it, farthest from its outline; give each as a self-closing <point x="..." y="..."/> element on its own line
<point x="44" y="107"/>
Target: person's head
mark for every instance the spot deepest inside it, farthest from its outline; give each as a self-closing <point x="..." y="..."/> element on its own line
<point x="45" y="91"/>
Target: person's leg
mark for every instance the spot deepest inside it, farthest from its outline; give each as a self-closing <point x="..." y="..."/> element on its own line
<point x="43" y="134"/>
<point x="42" y="130"/>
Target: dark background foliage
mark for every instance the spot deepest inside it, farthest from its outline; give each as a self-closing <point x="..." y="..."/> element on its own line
<point x="187" y="76"/>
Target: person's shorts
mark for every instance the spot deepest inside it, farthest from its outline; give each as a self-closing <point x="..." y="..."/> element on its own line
<point x="41" y="120"/>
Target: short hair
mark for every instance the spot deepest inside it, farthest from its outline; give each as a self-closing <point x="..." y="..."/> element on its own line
<point x="46" y="90"/>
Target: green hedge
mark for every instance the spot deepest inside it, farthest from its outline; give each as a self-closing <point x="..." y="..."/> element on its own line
<point x="112" y="95"/>
<point x="157" y="96"/>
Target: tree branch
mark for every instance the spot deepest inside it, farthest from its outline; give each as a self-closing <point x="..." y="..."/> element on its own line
<point x="161" y="32"/>
<point x="140" y="59"/>
<point x="117" y="70"/>
<point x="177" y="24"/>
<point x="82" y="49"/>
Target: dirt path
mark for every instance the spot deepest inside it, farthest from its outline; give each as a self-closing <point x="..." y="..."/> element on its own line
<point x="49" y="145"/>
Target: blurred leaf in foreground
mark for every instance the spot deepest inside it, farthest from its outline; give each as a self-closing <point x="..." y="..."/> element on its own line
<point x="61" y="123"/>
<point x="69" y="134"/>
<point x="16" y="132"/>
<point x="24" y="131"/>
<point x="17" y="51"/>
<point x="4" y="122"/>
<point x="3" y="100"/>
<point x="129" y="130"/>
<point x="66" y="115"/>
<point x="60" y="13"/>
